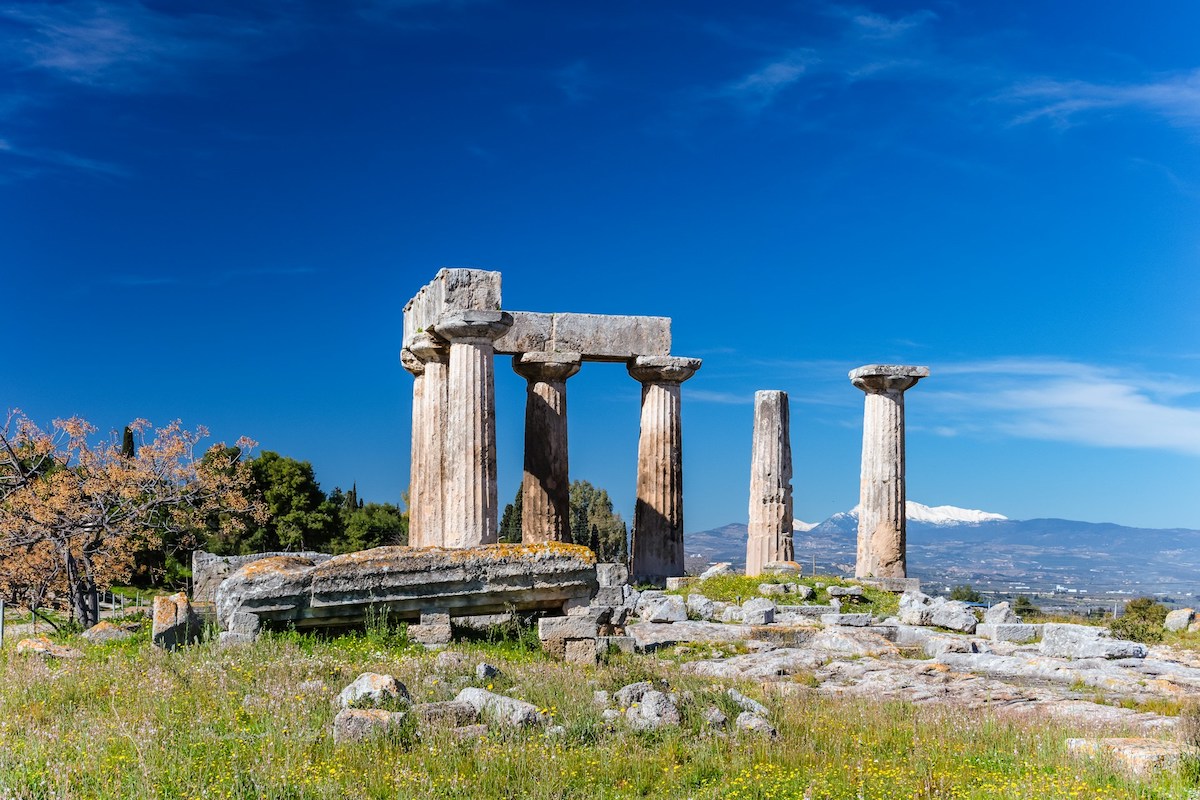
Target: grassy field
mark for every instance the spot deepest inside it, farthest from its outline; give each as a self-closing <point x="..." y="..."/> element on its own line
<point x="131" y="721"/>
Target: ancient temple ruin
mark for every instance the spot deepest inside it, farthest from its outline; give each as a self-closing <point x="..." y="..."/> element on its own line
<point x="769" y="536"/>
<point x="453" y="329"/>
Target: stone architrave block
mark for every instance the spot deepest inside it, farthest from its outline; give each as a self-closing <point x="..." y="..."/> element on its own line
<point x="674" y="584"/>
<point x="558" y="634"/>
<point x="671" y="608"/>
<point x="845" y="591"/>
<point x="597" y="337"/>
<point x="175" y="622"/>
<point x="1016" y="632"/>
<point x="209" y="570"/>
<point x="581" y="651"/>
<point x="611" y="574"/>
<point x="609" y="596"/>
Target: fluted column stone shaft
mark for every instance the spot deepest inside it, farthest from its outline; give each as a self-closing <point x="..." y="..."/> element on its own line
<point x="426" y="501"/>
<point x="770" y="528"/>
<point x="546" y="486"/>
<point x="470" y="511"/>
<point x="882" y="546"/>
<point x="416" y="462"/>
<point x="658" y="517"/>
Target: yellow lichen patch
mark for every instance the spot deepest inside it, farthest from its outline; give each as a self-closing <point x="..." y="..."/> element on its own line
<point x="275" y="564"/>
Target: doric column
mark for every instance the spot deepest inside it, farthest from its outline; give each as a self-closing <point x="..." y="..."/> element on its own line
<point x="658" y="517"/>
<point x="425" y="491"/>
<point x="770" y="484"/>
<point x="470" y="516"/>
<point x="546" y="487"/>
<point x="881" y="521"/>
<point x="416" y="464"/>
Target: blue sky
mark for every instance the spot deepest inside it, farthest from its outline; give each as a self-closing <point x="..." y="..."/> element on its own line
<point x="216" y="211"/>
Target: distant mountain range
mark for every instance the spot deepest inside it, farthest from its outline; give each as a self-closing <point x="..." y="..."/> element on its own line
<point x="948" y="546"/>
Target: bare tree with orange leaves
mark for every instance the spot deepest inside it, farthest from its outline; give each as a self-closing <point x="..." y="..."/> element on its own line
<point x="94" y="507"/>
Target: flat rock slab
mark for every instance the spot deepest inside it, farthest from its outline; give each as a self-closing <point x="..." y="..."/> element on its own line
<point x="650" y="636"/>
<point x="1138" y="757"/>
<point x="292" y="591"/>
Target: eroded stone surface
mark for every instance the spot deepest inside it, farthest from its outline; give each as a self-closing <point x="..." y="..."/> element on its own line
<point x="481" y="580"/>
<point x="770" y="526"/>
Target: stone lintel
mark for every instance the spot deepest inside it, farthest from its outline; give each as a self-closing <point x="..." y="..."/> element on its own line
<point x="450" y="290"/>
<point x="472" y="325"/>
<point x="546" y="366"/>
<point x="596" y="337"/>
<point x="663" y="369"/>
<point x="887" y="377"/>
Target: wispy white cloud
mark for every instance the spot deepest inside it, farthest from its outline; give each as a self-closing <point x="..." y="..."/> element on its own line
<point x="722" y="398"/>
<point x="758" y="89"/>
<point x="30" y="161"/>
<point x="1174" y="98"/>
<point x="1068" y="401"/>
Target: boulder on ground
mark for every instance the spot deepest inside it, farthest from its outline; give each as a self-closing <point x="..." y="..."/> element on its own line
<point x="374" y="689"/>
<point x="632" y="693"/>
<point x="720" y="568"/>
<point x="448" y="714"/>
<point x="1179" y="619"/>
<point x="41" y="646"/>
<point x="669" y="608"/>
<point x="653" y="710"/>
<point x="916" y="608"/>
<point x="1138" y="757"/>
<point x="175" y="622"/>
<point x="954" y="615"/>
<point x="1063" y="640"/>
<point x="753" y="723"/>
<point x="500" y="708"/>
<point x="105" y="631"/>
<point x="758" y="611"/>
<point x="1001" y="614"/>
<point x="353" y="725"/>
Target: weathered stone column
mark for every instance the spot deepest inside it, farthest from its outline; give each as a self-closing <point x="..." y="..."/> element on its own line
<point x="770" y="483"/>
<point x="425" y="491"/>
<point x="546" y="487"/>
<point x="470" y="517"/>
<point x="881" y="521"/>
<point x="658" y="517"/>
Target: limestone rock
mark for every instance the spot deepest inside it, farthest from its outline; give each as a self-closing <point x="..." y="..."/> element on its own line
<point x="601" y="699"/>
<point x="1009" y="632"/>
<point x="466" y="733"/>
<point x="581" y="651"/>
<point x="782" y="568"/>
<point x="610" y="574"/>
<point x="209" y="570"/>
<point x="626" y="696"/>
<point x="649" y="636"/>
<point x="485" y="671"/>
<point x="670" y="608"/>
<point x="731" y="614"/>
<point x="916" y="608"/>
<point x="715" y="718"/>
<point x="374" y="689"/>
<point x="1179" y="619"/>
<point x="175" y="622"/>
<point x="769" y="665"/>
<point x="753" y="723"/>
<point x="747" y="703"/>
<point x="852" y="642"/>
<point x="845" y="591"/>
<point x="489" y="579"/>
<point x="954" y="615"/>
<point x="499" y="708"/>
<point x="1138" y="757"/>
<point x="1082" y="641"/>
<point x="853" y="620"/>
<point x="353" y="725"/>
<point x="758" y="611"/>
<point x="41" y="646"/>
<point x="653" y="710"/>
<point x="448" y="660"/>
<point x="720" y="568"/>
<point x="451" y="713"/>
<point x="1001" y="614"/>
<point x="105" y="631"/>
<point x="700" y="606"/>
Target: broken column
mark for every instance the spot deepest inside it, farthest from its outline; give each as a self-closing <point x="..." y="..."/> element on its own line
<point x="771" y="516"/>
<point x="881" y="521"/>
<point x="469" y="493"/>
<point x="430" y="385"/>
<point x="658" y="516"/>
<point x="546" y="487"/>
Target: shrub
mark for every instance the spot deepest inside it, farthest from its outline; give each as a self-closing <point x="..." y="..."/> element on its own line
<point x="1142" y="622"/>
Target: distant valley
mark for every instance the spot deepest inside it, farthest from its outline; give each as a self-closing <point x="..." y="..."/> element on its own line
<point x="948" y="546"/>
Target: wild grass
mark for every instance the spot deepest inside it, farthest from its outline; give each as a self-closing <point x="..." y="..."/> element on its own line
<point x="128" y="720"/>
<point x="732" y="588"/>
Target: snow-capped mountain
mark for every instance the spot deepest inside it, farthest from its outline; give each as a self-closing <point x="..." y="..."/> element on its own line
<point x="939" y="515"/>
<point x="800" y="525"/>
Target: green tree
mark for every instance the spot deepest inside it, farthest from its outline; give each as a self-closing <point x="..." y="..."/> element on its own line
<point x="510" y="521"/>
<point x="594" y="523"/>
<point x="1023" y="607"/>
<point x="371" y="525"/>
<point x="966" y="594"/>
<point x="128" y="450"/>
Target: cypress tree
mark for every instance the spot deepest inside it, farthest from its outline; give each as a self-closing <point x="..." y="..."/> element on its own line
<point x="127" y="447"/>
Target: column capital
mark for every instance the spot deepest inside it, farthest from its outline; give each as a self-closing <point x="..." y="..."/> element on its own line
<point x="409" y="360"/>
<point x="428" y="348"/>
<point x="878" y="378"/>
<point x="546" y="366"/>
<point x="472" y="327"/>
<point x="662" y="369"/>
